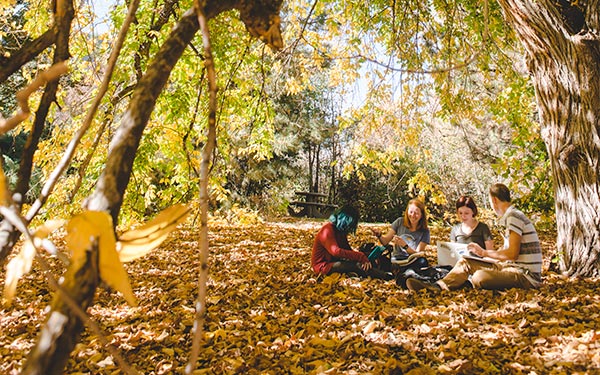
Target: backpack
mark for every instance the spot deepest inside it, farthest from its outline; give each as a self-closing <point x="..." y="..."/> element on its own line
<point x="379" y="255"/>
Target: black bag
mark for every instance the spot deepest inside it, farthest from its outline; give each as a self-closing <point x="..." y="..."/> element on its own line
<point x="428" y="274"/>
<point x="380" y="256"/>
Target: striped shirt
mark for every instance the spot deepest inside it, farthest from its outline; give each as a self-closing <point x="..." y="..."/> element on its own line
<point x="530" y="252"/>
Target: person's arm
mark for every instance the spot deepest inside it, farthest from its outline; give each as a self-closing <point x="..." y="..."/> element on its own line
<point x="510" y="253"/>
<point x="419" y="248"/>
<point x="487" y="237"/>
<point x="398" y="240"/>
<point x="384" y="238"/>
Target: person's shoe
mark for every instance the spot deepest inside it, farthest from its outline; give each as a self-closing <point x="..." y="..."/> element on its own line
<point x="415" y="285"/>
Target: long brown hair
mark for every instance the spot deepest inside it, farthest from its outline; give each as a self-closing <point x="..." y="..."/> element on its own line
<point x="421" y="206"/>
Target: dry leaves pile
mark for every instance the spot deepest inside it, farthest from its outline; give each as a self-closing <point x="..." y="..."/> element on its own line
<point x="269" y="314"/>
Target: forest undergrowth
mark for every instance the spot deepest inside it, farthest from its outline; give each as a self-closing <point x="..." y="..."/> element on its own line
<point x="269" y="314"/>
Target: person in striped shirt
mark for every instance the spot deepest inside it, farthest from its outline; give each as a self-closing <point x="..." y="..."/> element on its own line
<point x="517" y="265"/>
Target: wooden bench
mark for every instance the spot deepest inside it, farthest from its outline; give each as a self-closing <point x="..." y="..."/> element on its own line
<point x="310" y="204"/>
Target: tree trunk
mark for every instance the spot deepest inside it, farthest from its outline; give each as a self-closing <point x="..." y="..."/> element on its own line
<point x="316" y="183"/>
<point x="62" y="329"/>
<point x="333" y="182"/>
<point x="311" y="162"/>
<point x="563" y="54"/>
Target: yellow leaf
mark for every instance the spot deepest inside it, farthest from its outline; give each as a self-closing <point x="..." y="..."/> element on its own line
<point x="97" y="226"/>
<point x="3" y="188"/>
<point x="81" y="232"/>
<point x="16" y="268"/>
<point x="21" y="264"/>
<point x="139" y="242"/>
<point x="166" y="218"/>
<point x="111" y="268"/>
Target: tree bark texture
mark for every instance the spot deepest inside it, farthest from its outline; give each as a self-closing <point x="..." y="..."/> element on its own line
<point x="563" y="56"/>
<point x="62" y="329"/>
<point x="27" y="53"/>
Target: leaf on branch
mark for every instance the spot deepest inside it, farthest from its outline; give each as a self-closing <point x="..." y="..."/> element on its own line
<point x="16" y="268"/>
<point x="96" y="226"/>
<point x="21" y="264"/>
<point x="139" y="242"/>
<point x="4" y="193"/>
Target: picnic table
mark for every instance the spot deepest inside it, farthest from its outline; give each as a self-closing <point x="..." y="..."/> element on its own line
<point x="310" y="204"/>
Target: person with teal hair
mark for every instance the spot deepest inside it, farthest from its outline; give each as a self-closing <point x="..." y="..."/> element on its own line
<point x="332" y="252"/>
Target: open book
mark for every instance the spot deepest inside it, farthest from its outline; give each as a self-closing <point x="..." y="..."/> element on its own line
<point x="450" y="252"/>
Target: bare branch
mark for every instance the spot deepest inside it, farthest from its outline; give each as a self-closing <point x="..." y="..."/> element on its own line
<point x="204" y="171"/>
<point x="27" y="53"/>
<point x="49" y="75"/>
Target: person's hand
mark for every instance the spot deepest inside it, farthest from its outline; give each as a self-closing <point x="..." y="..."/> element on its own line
<point x="476" y="249"/>
<point x="366" y="266"/>
<point x="399" y="241"/>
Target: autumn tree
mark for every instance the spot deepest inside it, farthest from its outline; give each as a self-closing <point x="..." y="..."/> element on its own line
<point x="563" y="56"/>
<point x="561" y="47"/>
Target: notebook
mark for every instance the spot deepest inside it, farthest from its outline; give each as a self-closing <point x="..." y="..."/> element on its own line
<point x="450" y="252"/>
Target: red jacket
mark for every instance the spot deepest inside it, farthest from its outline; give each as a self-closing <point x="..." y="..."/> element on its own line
<point x="331" y="246"/>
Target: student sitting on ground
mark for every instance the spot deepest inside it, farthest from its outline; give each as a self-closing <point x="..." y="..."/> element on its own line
<point x="519" y="261"/>
<point x="409" y="233"/>
<point x="470" y="229"/>
<point x="331" y="251"/>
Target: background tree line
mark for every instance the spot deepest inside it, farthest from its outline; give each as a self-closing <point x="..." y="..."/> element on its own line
<point x="292" y="121"/>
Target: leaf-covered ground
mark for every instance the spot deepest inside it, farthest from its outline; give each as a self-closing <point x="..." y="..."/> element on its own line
<point x="269" y="314"/>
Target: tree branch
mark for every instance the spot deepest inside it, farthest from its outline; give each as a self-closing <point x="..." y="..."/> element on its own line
<point x="50" y="75"/>
<point x="204" y="174"/>
<point x="27" y="53"/>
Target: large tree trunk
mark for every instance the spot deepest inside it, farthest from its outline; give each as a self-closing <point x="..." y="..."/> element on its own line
<point x="563" y="52"/>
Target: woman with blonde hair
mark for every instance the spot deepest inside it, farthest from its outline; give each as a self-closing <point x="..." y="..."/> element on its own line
<point x="409" y="234"/>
